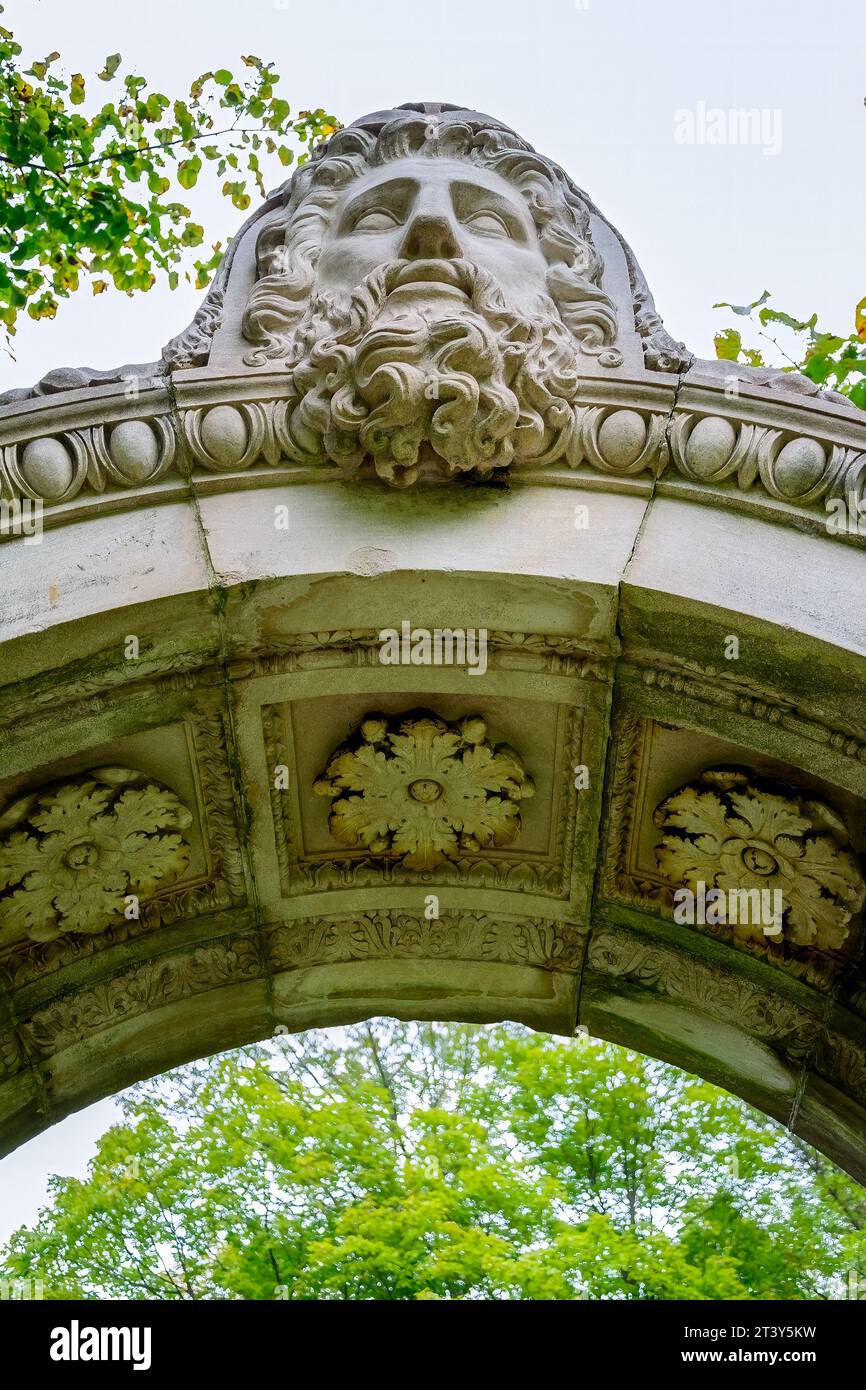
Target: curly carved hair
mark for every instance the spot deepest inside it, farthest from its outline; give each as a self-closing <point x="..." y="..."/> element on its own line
<point x="288" y="247"/>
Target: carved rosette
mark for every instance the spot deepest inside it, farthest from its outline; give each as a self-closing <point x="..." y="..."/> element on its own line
<point x="731" y="831"/>
<point x="72" y="853"/>
<point x="424" y="791"/>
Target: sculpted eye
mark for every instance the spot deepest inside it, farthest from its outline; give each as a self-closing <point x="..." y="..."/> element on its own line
<point x="375" y="220"/>
<point x="488" y="223"/>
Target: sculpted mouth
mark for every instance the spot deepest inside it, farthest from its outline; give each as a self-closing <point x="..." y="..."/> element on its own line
<point x="450" y="275"/>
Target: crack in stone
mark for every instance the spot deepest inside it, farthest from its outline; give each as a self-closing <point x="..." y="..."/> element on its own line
<point x="219" y="594"/>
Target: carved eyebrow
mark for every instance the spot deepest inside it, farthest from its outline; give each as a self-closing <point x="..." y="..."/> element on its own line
<point x="469" y="198"/>
<point x="394" y="194"/>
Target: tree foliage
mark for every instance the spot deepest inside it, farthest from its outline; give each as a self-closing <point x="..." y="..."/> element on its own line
<point x="395" y="1161"/>
<point x="826" y="358"/>
<point x="90" y="187"/>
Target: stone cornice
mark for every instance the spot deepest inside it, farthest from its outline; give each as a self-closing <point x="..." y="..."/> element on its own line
<point x="111" y="448"/>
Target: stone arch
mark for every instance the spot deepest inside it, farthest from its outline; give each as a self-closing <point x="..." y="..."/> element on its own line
<point x="260" y="591"/>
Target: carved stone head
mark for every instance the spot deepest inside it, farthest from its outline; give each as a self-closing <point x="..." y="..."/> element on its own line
<point x="431" y="283"/>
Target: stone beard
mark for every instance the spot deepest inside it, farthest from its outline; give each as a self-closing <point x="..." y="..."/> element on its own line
<point x="474" y="386"/>
<point x="430" y="291"/>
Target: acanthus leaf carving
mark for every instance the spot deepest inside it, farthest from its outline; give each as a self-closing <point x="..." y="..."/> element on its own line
<point x="191" y="348"/>
<point x="479" y="936"/>
<point x="151" y="985"/>
<point x="735" y="832"/>
<point x="73" y="852"/>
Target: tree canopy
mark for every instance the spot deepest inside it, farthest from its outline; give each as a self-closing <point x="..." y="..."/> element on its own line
<point x="408" y="1161"/>
<point x="90" y="175"/>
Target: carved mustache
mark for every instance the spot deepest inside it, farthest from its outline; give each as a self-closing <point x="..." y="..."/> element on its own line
<point x="350" y="321"/>
<point x="461" y="274"/>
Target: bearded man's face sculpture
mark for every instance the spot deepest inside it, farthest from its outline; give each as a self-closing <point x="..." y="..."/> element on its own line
<point x="431" y="286"/>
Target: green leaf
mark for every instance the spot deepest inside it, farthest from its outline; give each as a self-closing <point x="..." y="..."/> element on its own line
<point x="112" y="63"/>
<point x="188" y="171"/>
<point x="728" y="344"/>
<point x="776" y="316"/>
<point x="744" y="309"/>
<point x="198" y="85"/>
<point x="106" y="215"/>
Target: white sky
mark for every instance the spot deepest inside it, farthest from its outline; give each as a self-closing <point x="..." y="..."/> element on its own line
<point x="595" y="86"/>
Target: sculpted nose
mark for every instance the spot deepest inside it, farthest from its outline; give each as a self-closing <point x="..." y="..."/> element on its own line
<point x="429" y="238"/>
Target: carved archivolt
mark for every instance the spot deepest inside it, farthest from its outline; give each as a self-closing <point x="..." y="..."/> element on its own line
<point x="151" y="985"/>
<point x="237" y="436"/>
<point x="733" y="832"/>
<point x="476" y="936"/>
<point x="423" y="790"/>
<point x="80" y="854"/>
<point x="723" y="995"/>
<point x="479" y="936"/>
